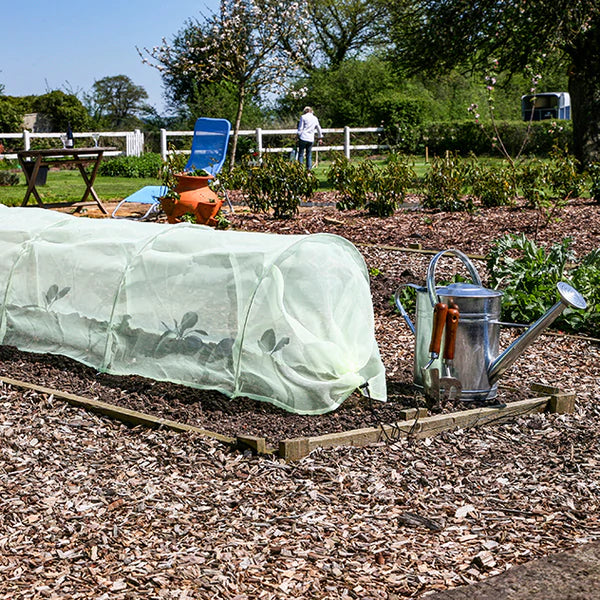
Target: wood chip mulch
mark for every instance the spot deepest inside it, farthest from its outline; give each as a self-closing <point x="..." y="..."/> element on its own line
<point x="90" y="508"/>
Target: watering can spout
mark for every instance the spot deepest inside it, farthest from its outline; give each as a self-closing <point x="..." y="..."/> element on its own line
<point x="569" y="296"/>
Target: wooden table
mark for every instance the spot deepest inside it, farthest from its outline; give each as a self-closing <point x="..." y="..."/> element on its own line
<point x="80" y="157"/>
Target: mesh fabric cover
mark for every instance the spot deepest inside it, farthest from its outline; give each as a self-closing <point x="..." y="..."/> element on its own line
<point x="285" y="319"/>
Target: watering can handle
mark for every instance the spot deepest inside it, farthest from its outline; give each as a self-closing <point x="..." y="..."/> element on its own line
<point x="432" y="266"/>
<point x="401" y="308"/>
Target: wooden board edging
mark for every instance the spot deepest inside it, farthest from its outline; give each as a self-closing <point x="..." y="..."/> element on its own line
<point x="293" y="449"/>
<point x="124" y="415"/>
<point x="297" y="448"/>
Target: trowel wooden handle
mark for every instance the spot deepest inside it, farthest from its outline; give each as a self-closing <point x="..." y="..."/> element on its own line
<point x="439" y="320"/>
<point x="451" y="328"/>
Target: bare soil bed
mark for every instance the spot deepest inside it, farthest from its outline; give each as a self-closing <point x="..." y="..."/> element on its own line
<point x="91" y="508"/>
<point x="390" y="267"/>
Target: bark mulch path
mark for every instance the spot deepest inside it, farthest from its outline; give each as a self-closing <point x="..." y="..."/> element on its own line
<point x="92" y="508"/>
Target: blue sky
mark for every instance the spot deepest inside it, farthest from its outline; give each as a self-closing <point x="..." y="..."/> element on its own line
<point x="68" y="45"/>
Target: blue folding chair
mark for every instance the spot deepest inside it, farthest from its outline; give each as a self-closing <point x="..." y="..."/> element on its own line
<point x="209" y="151"/>
<point x="209" y="147"/>
<point x="149" y="194"/>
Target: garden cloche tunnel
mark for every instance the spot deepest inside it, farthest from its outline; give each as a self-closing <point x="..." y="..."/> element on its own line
<point x="286" y="319"/>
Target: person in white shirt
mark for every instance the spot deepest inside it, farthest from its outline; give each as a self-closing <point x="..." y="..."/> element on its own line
<point x="307" y="127"/>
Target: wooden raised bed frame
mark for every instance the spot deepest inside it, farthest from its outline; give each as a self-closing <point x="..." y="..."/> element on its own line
<point x="415" y="425"/>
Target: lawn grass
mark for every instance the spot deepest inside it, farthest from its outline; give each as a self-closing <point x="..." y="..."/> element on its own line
<point x="68" y="186"/>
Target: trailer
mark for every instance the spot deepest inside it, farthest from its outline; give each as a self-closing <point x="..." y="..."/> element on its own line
<point x="546" y="105"/>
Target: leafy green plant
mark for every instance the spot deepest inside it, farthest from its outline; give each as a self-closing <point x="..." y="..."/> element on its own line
<point x="279" y="184"/>
<point x="169" y="168"/>
<point x="53" y="294"/>
<point x="527" y="274"/>
<point x="533" y="178"/>
<point x="197" y="173"/>
<point x="586" y="280"/>
<point x="446" y="183"/>
<point x="563" y="174"/>
<point x="183" y="332"/>
<point x="268" y="342"/>
<point x="363" y="185"/>
<point x="237" y="178"/>
<point x="222" y="221"/>
<point x="530" y="177"/>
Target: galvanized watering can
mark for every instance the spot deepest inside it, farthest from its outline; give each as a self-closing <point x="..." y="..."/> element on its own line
<point x="457" y="334"/>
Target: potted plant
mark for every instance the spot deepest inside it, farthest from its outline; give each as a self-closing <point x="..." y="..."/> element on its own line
<point x="188" y="193"/>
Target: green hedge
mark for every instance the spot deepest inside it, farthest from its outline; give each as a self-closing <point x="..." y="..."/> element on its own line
<point x="147" y="165"/>
<point x="465" y="137"/>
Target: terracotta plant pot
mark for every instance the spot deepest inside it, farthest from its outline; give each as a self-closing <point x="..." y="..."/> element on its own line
<point x="194" y="186"/>
<point x="194" y="197"/>
<point x="205" y="211"/>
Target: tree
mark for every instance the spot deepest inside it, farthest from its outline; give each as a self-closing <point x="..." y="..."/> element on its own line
<point x="239" y="45"/>
<point x="437" y="36"/>
<point x="12" y="111"/>
<point x="343" y="96"/>
<point x="329" y="32"/>
<point x="117" y="102"/>
<point x="62" y="110"/>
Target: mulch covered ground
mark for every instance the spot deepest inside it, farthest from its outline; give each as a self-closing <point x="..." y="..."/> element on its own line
<point x="91" y="508"/>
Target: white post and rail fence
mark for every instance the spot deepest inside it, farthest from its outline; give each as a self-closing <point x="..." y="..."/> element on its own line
<point x="133" y="146"/>
<point x="134" y="140"/>
<point x="261" y="147"/>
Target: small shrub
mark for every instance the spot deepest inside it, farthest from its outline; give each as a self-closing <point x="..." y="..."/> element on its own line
<point x="594" y="175"/>
<point x="547" y="187"/>
<point x="531" y="180"/>
<point x="363" y="185"/>
<point x="563" y="175"/>
<point x="237" y="178"/>
<point x="8" y="178"/>
<point x="279" y="184"/>
<point x="147" y="165"/>
<point x="446" y="184"/>
<point x="494" y="185"/>
<point x="352" y="181"/>
<point x="389" y="186"/>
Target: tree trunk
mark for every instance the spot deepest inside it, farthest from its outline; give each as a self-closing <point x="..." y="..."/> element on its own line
<point x="584" y="89"/>
<point x="236" y="128"/>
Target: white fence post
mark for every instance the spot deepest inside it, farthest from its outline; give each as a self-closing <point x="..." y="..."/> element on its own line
<point x="163" y="144"/>
<point x="347" y="142"/>
<point x="259" y="142"/>
<point x="141" y="139"/>
<point x="26" y="140"/>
